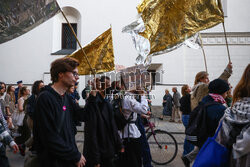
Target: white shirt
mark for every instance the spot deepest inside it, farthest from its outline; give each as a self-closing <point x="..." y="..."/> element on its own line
<point x="130" y="105"/>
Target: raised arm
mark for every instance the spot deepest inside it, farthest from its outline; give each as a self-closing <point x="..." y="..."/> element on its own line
<point x="227" y="72"/>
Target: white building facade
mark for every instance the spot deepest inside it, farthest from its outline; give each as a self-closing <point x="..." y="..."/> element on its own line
<point x="28" y="57"/>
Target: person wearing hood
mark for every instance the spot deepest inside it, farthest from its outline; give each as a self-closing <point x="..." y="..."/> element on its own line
<point x="235" y="130"/>
<point x="54" y="137"/>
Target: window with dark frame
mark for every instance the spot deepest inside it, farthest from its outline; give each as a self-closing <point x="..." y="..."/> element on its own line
<point x="68" y="38"/>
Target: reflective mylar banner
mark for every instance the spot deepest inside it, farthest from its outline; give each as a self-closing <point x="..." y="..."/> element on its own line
<point x="19" y="16"/>
<point x="100" y="54"/>
<point x="165" y="25"/>
<point x="170" y="22"/>
<point x="142" y="44"/>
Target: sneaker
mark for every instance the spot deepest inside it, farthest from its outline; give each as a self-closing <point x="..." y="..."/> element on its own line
<point x="171" y="120"/>
<point x="185" y="161"/>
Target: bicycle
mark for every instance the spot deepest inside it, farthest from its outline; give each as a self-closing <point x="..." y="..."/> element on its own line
<point x="163" y="145"/>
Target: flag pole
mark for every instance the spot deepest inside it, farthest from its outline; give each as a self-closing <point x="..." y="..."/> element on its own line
<point x="203" y="51"/>
<point x="226" y="41"/>
<point x="93" y="71"/>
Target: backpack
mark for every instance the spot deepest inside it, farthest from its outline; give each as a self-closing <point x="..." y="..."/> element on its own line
<point x="120" y="120"/>
<point x="196" y="131"/>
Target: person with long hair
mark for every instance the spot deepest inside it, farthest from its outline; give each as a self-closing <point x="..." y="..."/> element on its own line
<point x="10" y="98"/>
<point x="22" y="125"/>
<point x="235" y="130"/>
<point x="200" y="88"/>
<point x="10" y="104"/>
<point x="186" y="109"/>
<point x="4" y="108"/>
<point x="29" y="109"/>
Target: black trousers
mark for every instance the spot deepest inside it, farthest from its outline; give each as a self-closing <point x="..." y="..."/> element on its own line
<point x="3" y="158"/>
<point x="132" y="156"/>
<point x="104" y="163"/>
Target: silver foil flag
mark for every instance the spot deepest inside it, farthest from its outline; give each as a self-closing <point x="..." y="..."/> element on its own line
<point x="20" y="16"/>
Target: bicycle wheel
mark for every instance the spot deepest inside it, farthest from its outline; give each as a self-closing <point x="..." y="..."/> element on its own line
<point x="163" y="147"/>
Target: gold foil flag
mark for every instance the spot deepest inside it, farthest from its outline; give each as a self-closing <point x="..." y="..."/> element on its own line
<point x="19" y="16"/>
<point x="99" y="53"/>
<point x="170" y="22"/>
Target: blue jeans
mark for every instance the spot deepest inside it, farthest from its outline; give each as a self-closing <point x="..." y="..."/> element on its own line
<point x="146" y="155"/>
<point x="187" y="147"/>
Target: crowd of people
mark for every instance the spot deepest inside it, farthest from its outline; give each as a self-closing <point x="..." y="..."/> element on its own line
<point x="42" y="125"/>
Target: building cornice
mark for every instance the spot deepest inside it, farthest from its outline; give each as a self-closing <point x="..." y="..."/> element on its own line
<point x="233" y="38"/>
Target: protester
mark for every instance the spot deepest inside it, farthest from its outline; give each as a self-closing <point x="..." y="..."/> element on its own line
<point x="235" y="130"/>
<point x="54" y="136"/>
<point x="186" y="109"/>
<point x="105" y="80"/>
<point x="167" y="104"/>
<point x="217" y="93"/>
<point x="101" y="138"/>
<point x="10" y="99"/>
<point x="19" y="86"/>
<point x="23" y="128"/>
<point x="74" y="94"/>
<point x="200" y="88"/>
<point x="10" y="105"/>
<point x="30" y="108"/>
<point x="5" y="139"/>
<point x="145" y="149"/>
<point x="86" y="90"/>
<point x="176" y="108"/>
<point x="130" y="134"/>
<point x="4" y="108"/>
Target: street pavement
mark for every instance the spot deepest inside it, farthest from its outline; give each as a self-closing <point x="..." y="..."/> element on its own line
<point x="177" y="130"/>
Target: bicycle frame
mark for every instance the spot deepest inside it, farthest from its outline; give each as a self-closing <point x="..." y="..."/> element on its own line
<point x="151" y="127"/>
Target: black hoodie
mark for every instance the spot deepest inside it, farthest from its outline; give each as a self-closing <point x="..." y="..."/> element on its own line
<point x="56" y="147"/>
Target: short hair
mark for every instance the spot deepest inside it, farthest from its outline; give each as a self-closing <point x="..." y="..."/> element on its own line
<point x="35" y="86"/>
<point x="199" y="76"/>
<point x="62" y="65"/>
<point x="103" y="78"/>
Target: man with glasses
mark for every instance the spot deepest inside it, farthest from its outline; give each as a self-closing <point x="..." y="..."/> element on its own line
<point x="54" y="115"/>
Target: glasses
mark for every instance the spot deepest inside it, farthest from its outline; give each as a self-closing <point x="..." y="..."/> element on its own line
<point x="75" y="74"/>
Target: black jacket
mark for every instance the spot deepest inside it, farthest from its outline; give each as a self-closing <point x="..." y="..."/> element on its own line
<point x="185" y="104"/>
<point x="56" y="146"/>
<point x="101" y="139"/>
